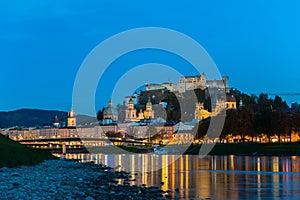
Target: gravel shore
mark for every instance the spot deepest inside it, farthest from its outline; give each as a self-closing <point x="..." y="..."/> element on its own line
<point x="60" y="179"/>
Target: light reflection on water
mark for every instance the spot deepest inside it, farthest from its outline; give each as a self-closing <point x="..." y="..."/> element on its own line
<point x="216" y="177"/>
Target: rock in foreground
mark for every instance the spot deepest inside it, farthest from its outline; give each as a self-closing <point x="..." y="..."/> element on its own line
<point x="58" y="179"/>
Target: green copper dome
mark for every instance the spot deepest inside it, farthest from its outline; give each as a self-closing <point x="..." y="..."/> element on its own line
<point x="130" y="101"/>
<point x="110" y="111"/>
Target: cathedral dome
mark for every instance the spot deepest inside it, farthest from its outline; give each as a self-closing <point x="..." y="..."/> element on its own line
<point x="110" y="111"/>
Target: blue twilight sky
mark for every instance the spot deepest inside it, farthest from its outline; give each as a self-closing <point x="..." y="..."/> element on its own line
<point x="43" y="43"/>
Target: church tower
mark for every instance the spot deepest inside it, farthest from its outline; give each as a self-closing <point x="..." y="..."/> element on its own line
<point x="56" y="121"/>
<point x="130" y="112"/>
<point x="71" y="118"/>
<point x="149" y="113"/>
<point x="241" y="102"/>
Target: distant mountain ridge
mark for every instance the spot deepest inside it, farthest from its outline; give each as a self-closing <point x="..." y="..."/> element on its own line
<point x="34" y="117"/>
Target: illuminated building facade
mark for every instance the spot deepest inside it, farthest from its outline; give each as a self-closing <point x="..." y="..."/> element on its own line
<point x="71" y="122"/>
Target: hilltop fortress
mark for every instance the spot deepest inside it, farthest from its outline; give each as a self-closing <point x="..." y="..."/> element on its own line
<point x="186" y="83"/>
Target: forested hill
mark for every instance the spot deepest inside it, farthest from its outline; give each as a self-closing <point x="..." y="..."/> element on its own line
<point x="33" y="117"/>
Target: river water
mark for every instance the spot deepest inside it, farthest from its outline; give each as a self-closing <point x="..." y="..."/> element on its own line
<point x="211" y="177"/>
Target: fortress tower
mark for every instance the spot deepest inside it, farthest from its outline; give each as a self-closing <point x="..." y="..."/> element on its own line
<point x="226" y="83"/>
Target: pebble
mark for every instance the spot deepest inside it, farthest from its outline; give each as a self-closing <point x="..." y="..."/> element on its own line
<point x="62" y="179"/>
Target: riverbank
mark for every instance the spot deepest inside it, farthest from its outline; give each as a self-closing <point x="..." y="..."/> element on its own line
<point x="251" y="149"/>
<point x="13" y="154"/>
<point x="61" y="179"/>
<point x="247" y="149"/>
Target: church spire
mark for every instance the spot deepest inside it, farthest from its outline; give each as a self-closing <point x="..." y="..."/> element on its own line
<point x="110" y="104"/>
<point x="241" y="102"/>
<point x="149" y="104"/>
<point x="71" y="122"/>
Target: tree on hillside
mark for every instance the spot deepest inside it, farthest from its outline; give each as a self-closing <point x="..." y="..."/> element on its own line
<point x="264" y="103"/>
<point x="295" y="121"/>
<point x="288" y="125"/>
<point x="200" y="130"/>
<point x="263" y="116"/>
<point x="200" y="95"/>
<point x="230" y="125"/>
<point x="279" y="104"/>
<point x="245" y="122"/>
<point x="277" y="123"/>
<point x="173" y="115"/>
<point x="262" y="123"/>
<point x="100" y="114"/>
